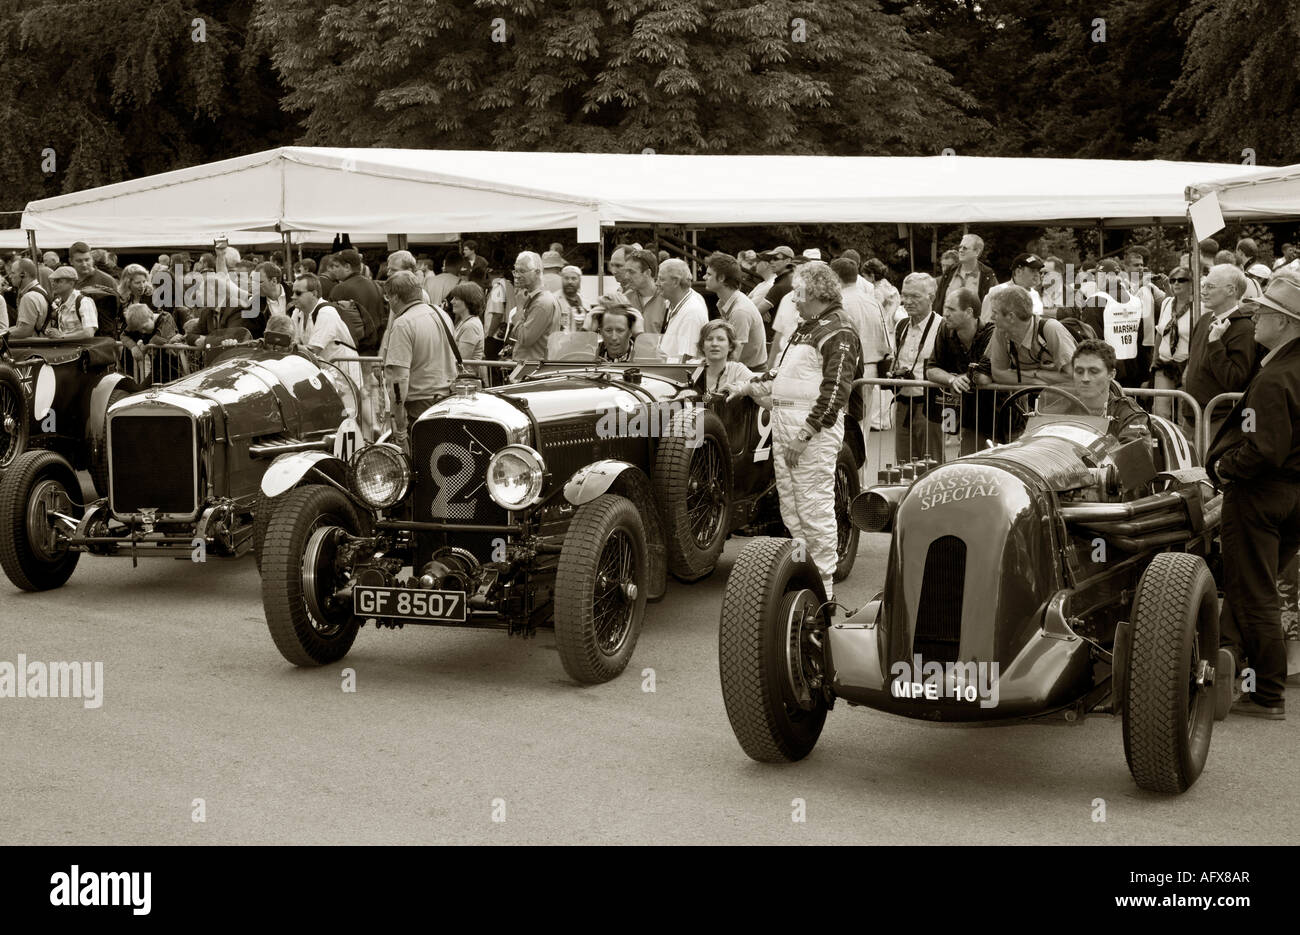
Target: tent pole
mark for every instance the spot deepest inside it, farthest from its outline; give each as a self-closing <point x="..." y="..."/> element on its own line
<point x="934" y="247"/>
<point x="31" y="246"/>
<point x="911" y="249"/>
<point x="600" y="263"/>
<point x="288" y="252"/>
<point x="1101" y="239"/>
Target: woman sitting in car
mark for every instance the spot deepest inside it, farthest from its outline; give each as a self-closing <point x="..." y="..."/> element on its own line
<point x="718" y="347"/>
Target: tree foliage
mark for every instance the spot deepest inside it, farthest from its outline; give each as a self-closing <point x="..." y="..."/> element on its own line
<point x="679" y="76"/>
<point x="113" y="89"/>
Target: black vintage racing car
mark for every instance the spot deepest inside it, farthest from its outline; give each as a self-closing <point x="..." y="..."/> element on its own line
<point x="54" y="395"/>
<point x="1064" y="574"/>
<point x="543" y="502"/>
<point x="181" y="464"/>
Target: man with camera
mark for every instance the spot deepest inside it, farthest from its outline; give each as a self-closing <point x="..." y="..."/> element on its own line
<point x="915" y="436"/>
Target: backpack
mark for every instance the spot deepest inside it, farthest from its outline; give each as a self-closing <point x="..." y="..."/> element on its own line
<point x="1079" y="329"/>
<point x="356" y="319"/>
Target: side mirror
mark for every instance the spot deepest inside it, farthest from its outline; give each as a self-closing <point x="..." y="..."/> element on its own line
<point x="43" y="398"/>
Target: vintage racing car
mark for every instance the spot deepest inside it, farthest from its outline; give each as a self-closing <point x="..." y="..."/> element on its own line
<point x="54" y="395"/>
<point x="564" y="499"/>
<point x="181" y="465"/>
<point x="1064" y="574"/>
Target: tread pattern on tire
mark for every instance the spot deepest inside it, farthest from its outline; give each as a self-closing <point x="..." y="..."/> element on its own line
<point x="844" y="567"/>
<point x="579" y="556"/>
<point x="1151" y="724"/>
<point x="672" y="470"/>
<point x="282" y="596"/>
<point x="15" y="554"/>
<point x="742" y="667"/>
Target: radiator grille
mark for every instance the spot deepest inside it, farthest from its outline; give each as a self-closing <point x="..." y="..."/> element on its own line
<point x="938" y="619"/>
<point x="450" y="470"/>
<point x="152" y="464"/>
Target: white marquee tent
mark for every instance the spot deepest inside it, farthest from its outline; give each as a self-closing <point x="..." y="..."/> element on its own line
<point x="1262" y="194"/>
<point x="397" y="190"/>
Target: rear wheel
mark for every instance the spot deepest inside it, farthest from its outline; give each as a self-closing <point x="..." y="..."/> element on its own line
<point x="302" y="572"/>
<point x="1169" y="708"/>
<point x="692" y="485"/>
<point x="770" y="652"/>
<point x="847" y="486"/>
<point x="14" y="424"/>
<point x="600" y="589"/>
<point x="33" y="554"/>
<point x="99" y="450"/>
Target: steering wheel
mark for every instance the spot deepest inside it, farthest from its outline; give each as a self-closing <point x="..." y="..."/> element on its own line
<point x="1029" y="390"/>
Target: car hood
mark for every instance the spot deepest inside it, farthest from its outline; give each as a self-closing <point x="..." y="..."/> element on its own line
<point x="261" y="393"/>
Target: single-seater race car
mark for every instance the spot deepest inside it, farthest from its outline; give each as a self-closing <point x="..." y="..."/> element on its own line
<point x="565" y="498"/>
<point x="1060" y="575"/>
<point x="180" y="468"/>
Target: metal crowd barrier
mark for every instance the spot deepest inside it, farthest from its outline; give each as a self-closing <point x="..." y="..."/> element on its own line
<point x="1210" y="407"/>
<point x="911" y="420"/>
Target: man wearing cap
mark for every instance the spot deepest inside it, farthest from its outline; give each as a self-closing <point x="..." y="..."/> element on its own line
<point x="552" y="263"/>
<point x="33" y="302"/>
<point x="1255" y="456"/>
<point x="781" y="262"/>
<point x="1027" y="273"/>
<point x="969" y="273"/>
<point x="73" y="314"/>
<point x="1221" y="355"/>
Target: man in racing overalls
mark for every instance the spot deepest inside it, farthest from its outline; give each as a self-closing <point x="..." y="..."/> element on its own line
<point x="808" y="392"/>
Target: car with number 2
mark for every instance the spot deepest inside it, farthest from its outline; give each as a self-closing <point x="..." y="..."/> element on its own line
<point x="563" y="499"/>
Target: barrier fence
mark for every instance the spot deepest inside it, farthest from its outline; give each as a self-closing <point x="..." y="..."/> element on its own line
<point x="915" y="420"/>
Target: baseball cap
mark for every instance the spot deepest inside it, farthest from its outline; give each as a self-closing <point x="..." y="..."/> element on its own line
<point x="1108" y="265"/>
<point x="552" y="260"/>
<point x="1033" y="261"/>
<point x="778" y="253"/>
<point x="64" y="272"/>
<point x="812" y="253"/>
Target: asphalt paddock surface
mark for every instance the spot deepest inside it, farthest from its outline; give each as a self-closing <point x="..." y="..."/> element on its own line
<point x="457" y="736"/>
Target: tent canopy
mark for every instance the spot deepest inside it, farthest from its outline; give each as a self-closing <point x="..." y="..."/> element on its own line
<point x="1262" y="193"/>
<point x="397" y="190"/>
<point x="16" y="239"/>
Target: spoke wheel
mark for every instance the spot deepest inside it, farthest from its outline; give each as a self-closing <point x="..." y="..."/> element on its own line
<point x="34" y="555"/>
<point x="692" y="484"/>
<point x="600" y="589"/>
<point x="14" y="425"/>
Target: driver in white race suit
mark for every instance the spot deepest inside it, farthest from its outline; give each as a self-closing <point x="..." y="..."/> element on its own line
<point x="807" y="393"/>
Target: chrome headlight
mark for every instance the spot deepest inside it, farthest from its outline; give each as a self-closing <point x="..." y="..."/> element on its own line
<point x="515" y="476"/>
<point x="379" y="475"/>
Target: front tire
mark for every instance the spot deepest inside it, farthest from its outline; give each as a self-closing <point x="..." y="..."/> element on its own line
<point x="1169" y="708"/>
<point x="847" y="486"/>
<point x="33" y="556"/>
<point x="301" y="574"/>
<point x="600" y="589"/>
<point x="692" y="485"/>
<point x="775" y="706"/>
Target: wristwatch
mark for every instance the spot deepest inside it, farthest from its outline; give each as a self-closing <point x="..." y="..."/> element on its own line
<point x="805" y="435"/>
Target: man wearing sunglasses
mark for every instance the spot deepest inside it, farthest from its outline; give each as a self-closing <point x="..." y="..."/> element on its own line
<point x="1255" y="457"/>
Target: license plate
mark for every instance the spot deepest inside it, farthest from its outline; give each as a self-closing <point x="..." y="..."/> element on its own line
<point x="409" y="603"/>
